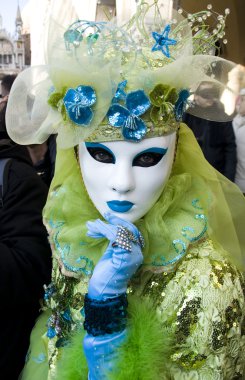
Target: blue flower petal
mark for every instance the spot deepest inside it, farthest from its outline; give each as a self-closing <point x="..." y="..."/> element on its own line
<point x="117" y="115"/>
<point x="135" y="129"/>
<point x="80" y="115"/>
<point x="87" y="95"/>
<point x="137" y="102"/>
<point x="71" y="97"/>
<point x="120" y="93"/>
<point x="180" y="105"/>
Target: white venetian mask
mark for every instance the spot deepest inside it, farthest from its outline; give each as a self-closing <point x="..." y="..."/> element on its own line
<point x="126" y="178"/>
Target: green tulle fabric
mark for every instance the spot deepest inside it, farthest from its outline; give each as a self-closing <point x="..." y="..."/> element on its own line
<point x="194" y="189"/>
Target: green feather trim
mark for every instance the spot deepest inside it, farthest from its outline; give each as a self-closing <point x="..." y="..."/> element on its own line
<point x="149" y="345"/>
<point x="143" y="356"/>
<point x="73" y="365"/>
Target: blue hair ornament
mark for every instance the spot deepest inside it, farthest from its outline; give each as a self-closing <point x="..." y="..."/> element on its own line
<point x="163" y="41"/>
<point x="127" y="118"/>
<point x="78" y="102"/>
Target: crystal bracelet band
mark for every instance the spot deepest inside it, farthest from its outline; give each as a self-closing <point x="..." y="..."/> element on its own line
<point x="125" y="238"/>
<point x="105" y="317"/>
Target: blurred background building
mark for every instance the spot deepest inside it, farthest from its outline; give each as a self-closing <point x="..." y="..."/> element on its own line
<point x="15" y="52"/>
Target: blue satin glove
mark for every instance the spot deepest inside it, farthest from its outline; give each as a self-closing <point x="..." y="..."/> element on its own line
<point x="117" y="265"/>
<point x="109" y="279"/>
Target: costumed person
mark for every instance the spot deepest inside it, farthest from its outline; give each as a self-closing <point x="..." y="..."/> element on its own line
<point x="147" y="237"/>
<point x="239" y="130"/>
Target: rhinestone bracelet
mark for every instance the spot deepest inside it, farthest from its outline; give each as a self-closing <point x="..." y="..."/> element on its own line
<point x="125" y="238"/>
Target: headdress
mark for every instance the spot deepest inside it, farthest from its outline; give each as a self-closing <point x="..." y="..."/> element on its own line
<point x="105" y="82"/>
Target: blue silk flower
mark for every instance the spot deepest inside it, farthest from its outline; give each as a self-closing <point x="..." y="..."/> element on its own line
<point x="78" y="102"/>
<point x="127" y="118"/>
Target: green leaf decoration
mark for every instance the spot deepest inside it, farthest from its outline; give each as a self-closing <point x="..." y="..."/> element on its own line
<point x="163" y="98"/>
<point x="165" y="112"/>
<point x="158" y="94"/>
<point x="172" y="96"/>
<point x="155" y="115"/>
<point x="54" y="99"/>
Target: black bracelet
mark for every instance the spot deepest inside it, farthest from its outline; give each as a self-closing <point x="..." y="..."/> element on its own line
<point x="105" y="317"/>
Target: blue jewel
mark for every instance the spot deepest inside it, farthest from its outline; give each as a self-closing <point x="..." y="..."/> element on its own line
<point x="51" y="333"/>
<point x="78" y="102"/>
<point x="163" y="41"/>
<point x="133" y="127"/>
<point x="67" y="315"/>
<point x="120" y="93"/>
<point x="180" y="105"/>
<point x="49" y="291"/>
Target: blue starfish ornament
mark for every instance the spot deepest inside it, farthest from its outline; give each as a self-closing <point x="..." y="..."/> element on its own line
<point x="163" y="41"/>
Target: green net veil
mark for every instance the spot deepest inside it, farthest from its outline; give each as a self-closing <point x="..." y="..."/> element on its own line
<point x="197" y="202"/>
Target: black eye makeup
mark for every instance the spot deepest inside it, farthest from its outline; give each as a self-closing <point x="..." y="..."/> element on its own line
<point x="149" y="157"/>
<point x="100" y="153"/>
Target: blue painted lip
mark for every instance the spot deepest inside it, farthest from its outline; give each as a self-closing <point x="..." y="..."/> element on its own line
<point x="120" y="206"/>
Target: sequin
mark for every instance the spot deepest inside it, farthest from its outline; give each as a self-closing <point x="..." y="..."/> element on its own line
<point x="196" y="203"/>
<point x="88" y="264"/>
<point x="192" y="239"/>
<point x="78" y="102"/>
<point x="133" y="127"/>
<point x="189" y="361"/>
<point x="163" y="41"/>
<point x="186" y="318"/>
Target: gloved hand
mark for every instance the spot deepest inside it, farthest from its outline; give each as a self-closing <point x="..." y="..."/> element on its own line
<point x="117" y="265"/>
<point x="110" y="279"/>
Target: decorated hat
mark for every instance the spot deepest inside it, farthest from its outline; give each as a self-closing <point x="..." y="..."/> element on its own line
<point x="107" y="82"/>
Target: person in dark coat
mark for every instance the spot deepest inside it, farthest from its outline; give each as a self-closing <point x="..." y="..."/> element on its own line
<point x="25" y="256"/>
<point x="43" y="158"/>
<point x="216" y="139"/>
